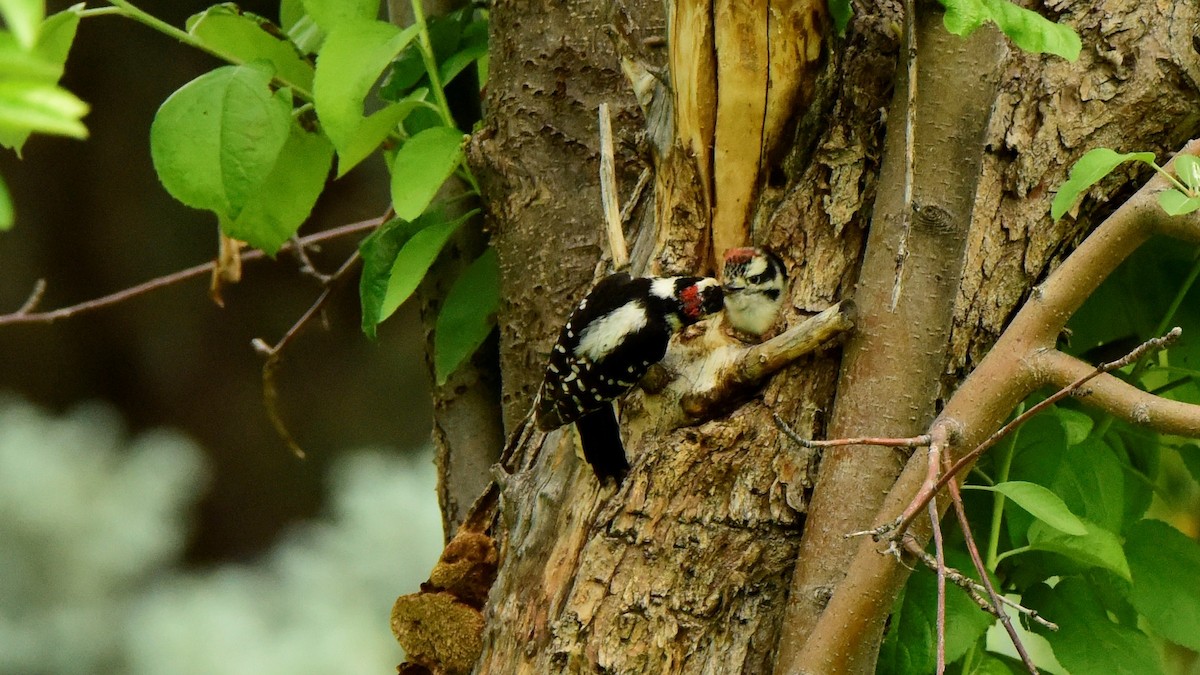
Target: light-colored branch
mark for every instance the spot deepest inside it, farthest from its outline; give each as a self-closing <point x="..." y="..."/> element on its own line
<point x="895" y="361"/>
<point x="608" y="194"/>
<point x="727" y="368"/>
<point x="1006" y="376"/>
<point x="767" y="357"/>
<point x="1123" y="400"/>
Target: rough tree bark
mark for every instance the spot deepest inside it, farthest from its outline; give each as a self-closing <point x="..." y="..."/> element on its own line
<point x="692" y="565"/>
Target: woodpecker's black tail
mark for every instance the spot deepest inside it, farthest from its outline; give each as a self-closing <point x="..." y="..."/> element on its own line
<point x="602" y="448"/>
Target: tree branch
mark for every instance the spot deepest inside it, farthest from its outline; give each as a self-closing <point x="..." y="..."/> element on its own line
<point x="891" y="372"/>
<point x="1011" y="371"/>
<point x="1122" y="400"/>
<point x="26" y="314"/>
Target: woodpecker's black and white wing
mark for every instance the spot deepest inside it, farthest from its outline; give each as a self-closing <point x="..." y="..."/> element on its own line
<point x="606" y="346"/>
<point x="611" y="339"/>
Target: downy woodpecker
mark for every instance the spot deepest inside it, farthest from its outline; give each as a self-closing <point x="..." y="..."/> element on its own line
<point x="755" y="282"/>
<point x="615" y="334"/>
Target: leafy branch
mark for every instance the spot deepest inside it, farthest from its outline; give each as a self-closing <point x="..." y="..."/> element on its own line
<point x="1079" y="527"/>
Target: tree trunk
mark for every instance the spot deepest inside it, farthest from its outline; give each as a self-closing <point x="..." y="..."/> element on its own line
<point x="691" y="566"/>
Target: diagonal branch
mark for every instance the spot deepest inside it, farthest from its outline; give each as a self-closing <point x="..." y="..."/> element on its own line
<point x="1021" y="361"/>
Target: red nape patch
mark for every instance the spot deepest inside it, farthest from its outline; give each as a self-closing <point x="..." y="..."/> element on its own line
<point x="739" y="256"/>
<point x="692" y="300"/>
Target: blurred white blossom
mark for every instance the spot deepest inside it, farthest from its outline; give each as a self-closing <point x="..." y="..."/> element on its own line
<point x="92" y="527"/>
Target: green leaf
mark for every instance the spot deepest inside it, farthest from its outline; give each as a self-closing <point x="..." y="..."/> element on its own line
<point x="378" y="252"/>
<point x="1091" y="481"/>
<point x="1037" y="458"/>
<point x="1029" y="30"/>
<point x="468" y="314"/>
<point x="1098" y="548"/>
<point x="45" y="62"/>
<point x="841" y="11"/>
<point x="56" y="36"/>
<point x="332" y="14"/>
<point x="290" y="12"/>
<point x="18" y="64"/>
<point x="413" y="261"/>
<point x="1175" y="203"/>
<point x="909" y="644"/>
<point x="990" y="664"/>
<point x="350" y="62"/>
<point x="421" y="165"/>
<point x="963" y="17"/>
<point x="215" y="141"/>
<point x="7" y="217"/>
<point x="1041" y="503"/>
<point x="1187" y="168"/>
<point x="1078" y="425"/>
<point x="300" y="27"/>
<point x="243" y="37"/>
<point x="1166" y="580"/>
<point x="447" y="34"/>
<point x="1190" y="453"/>
<point x="1087" y="641"/>
<point x="1033" y="32"/>
<point x="286" y="198"/>
<point x="1089" y="170"/>
<point x="29" y="106"/>
<point x="23" y="17"/>
<point x="458" y="61"/>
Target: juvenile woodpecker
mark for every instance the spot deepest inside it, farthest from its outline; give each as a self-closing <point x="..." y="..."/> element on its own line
<point x="755" y="282"/>
<point x="615" y="334"/>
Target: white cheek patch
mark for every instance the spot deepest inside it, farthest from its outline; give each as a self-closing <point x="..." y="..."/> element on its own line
<point x="605" y="334"/>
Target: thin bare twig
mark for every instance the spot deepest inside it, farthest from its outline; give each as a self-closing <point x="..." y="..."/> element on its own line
<point x="977" y="560"/>
<point x="273" y="354"/>
<point x="972" y="588"/>
<point x="913" y="442"/>
<point x="26" y="315"/>
<point x="307" y="267"/>
<point x="935" y="524"/>
<point x="35" y="296"/>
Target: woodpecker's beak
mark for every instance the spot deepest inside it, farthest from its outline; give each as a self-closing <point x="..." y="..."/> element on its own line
<point x="731" y="288"/>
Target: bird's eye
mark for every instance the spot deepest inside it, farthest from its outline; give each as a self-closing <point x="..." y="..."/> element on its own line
<point x="757" y="278"/>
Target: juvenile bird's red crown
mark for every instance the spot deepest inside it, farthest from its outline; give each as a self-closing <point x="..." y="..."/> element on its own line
<point x="740" y="256"/>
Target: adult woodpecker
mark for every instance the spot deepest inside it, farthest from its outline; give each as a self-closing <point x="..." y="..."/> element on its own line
<point x="612" y="338"/>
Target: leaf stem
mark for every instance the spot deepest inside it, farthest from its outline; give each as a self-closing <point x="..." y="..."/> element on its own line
<point x="1011" y="552"/>
<point x="129" y="11"/>
<point x="431" y="69"/>
<point x="1174" y="181"/>
<point x="98" y="11"/>
<point x="435" y="80"/>
<point x="1003" y="465"/>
